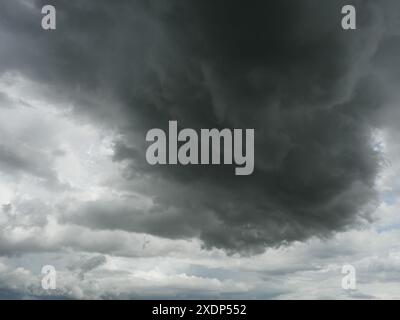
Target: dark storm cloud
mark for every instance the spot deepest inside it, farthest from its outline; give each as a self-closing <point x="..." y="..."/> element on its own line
<point x="284" y="68"/>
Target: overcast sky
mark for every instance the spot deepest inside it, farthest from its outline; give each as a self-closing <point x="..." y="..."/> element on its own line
<point x="77" y="193"/>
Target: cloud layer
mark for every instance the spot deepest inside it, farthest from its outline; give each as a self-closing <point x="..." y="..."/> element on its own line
<point x="77" y="102"/>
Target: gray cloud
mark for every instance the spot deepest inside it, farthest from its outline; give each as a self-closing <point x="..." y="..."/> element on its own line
<point x="17" y="159"/>
<point x="286" y="69"/>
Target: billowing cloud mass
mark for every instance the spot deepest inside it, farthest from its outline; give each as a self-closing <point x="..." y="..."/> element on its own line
<point x="76" y="104"/>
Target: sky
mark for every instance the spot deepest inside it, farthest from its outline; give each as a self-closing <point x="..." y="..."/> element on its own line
<point x="77" y="193"/>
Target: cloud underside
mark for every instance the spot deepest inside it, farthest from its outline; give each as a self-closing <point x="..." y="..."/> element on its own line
<point x="310" y="90"/>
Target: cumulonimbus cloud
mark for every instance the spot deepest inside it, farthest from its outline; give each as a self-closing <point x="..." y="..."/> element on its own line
<point x="286" y="69"/>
